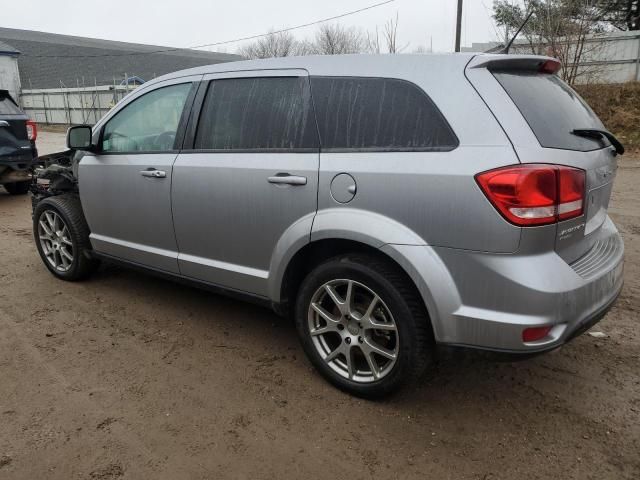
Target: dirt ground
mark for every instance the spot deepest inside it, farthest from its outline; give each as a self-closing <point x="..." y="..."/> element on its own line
<point x="129" y="376"/>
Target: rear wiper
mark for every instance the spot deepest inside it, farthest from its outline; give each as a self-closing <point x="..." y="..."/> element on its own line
<point x="599" y="133"/>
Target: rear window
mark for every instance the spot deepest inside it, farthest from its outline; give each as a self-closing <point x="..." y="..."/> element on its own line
<point x="356" y="113"/>
<point x="552" y="109"/>
<point x="264" y="113"/>
<point x="7" y="107"/>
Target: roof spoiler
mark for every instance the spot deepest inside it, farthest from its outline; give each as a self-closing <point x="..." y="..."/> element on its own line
<point x="534" y="63"/>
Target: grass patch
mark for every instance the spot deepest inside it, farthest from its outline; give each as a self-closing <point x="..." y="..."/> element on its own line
<point x="618" y="106"/>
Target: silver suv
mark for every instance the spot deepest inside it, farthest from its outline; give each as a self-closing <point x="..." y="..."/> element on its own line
<point x="387" y="203"/>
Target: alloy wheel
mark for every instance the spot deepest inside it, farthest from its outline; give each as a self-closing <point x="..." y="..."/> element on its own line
<point x="55" y="241"/>
<point x="353" y="330"/>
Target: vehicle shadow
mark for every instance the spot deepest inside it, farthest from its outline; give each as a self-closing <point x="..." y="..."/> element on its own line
<point x="6" y="195"/>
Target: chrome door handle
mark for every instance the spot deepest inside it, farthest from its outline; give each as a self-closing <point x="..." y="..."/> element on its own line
<point x="153" y="173"/>
<point x="286" y="179"/>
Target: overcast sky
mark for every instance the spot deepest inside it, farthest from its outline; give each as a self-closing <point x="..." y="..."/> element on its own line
<point x="184" y="23"/>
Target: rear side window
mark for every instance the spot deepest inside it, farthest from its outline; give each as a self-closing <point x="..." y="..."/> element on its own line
<point x="7" y="107"/>
<point x="266" y="113"/>
<point x="358" y="113"/>
<point x="552" y="109"/>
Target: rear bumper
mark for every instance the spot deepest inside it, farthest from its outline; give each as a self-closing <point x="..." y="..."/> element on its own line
<point x="15" y="154"/>
<point x="589" y="322"/>
<point x="17" y="162"/>
<point x="575" y="330"/>
<point x="491" y="298"/>
<point x="17" y="168"/>
<point x="11" y="176"/>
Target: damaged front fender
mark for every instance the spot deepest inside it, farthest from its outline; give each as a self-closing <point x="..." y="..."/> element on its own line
<point x="55" y="174"/>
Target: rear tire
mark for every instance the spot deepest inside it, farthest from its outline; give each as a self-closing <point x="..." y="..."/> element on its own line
<point x="382" y="335"/>
<point x="62" y="236"/>
<point x="17" y="188"/>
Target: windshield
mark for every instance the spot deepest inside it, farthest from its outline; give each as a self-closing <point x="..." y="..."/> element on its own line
<point x="552" y="109"/>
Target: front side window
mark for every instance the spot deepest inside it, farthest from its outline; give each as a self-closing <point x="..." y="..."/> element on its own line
<point x="262" y="113"/>
<point x="149" y="123"/>
<point x="378" y="114"/>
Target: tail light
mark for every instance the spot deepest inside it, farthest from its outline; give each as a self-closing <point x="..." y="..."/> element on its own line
<point x="571" y="192"/>
<point x="535" y="194"/>
<point x="32" y="130"/>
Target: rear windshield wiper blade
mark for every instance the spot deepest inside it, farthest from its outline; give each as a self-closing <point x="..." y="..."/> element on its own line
<point x="599" y="133"/>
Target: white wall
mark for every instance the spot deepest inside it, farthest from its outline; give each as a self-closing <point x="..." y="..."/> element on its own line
<point x="610" y="58"/>
<point x="9" y="76"/>
<point x="71" y="105"/>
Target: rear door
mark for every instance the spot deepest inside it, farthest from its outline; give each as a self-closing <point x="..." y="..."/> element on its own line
<point x="14" y="142"/>
<point x="539" y="111"/>
<point x="125" y="189"/>
<point x="247" y="174"/>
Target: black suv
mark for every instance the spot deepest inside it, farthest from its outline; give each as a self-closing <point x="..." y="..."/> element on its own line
<point x="17" y="146"/>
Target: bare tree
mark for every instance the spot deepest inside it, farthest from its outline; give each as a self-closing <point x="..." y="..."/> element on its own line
<point x="336" y="39"/>
<point x="621" y="14"/>
<point x="373" y="42"/>
<point x="391" y="35"/>
<point x="281" y="44"/>
<point x="507" y="15"/>
<point x="565" y="29"/>
<point x="329" y="39"/>
<point x="421" y="49"/>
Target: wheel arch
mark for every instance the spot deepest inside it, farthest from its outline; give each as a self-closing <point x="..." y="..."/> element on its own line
<point x="337" y="231"/>
<point x="314" y="253"/>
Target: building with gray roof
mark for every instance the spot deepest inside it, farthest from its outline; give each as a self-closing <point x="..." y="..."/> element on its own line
<point x="48" y="60"/>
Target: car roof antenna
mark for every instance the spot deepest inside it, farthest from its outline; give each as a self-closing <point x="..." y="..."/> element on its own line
<point x="505" y="49"/>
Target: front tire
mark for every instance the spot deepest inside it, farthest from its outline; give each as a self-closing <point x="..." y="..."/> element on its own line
<point x="363" y="325"/>
<point x="62" y="236"/>
<point x="17" y="188"/>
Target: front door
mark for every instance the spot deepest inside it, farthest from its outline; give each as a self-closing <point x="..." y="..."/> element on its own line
<point x="125" y="189"/>
<point x="251" y="174"/>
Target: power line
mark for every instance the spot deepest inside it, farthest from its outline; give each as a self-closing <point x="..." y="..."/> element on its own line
<point x="225" y="42"/>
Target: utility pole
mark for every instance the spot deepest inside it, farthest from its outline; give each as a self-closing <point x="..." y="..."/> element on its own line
<point x="458" y="25"/>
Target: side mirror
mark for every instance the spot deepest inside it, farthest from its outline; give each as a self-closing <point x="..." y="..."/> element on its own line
<point x="79" y="138"/>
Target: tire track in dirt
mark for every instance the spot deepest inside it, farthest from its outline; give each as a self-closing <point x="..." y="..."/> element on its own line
<point x="65" y="391"/>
